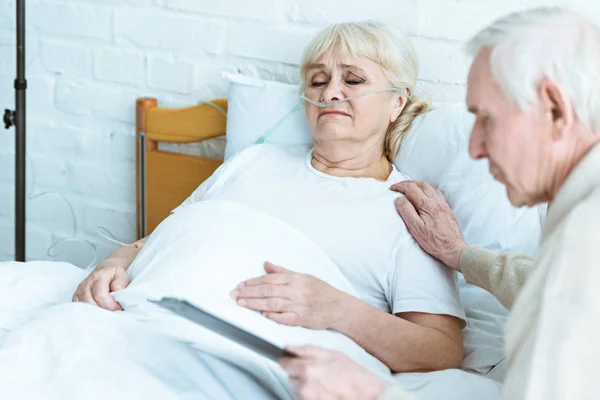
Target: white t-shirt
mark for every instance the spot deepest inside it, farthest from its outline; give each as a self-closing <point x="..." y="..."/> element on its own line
<point x="352" y="219"/>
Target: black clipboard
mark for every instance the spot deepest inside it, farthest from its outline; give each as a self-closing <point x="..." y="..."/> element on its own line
<point x="217" y="325"/>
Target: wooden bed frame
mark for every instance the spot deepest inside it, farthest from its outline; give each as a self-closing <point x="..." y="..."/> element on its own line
<point x="165" y="179"/>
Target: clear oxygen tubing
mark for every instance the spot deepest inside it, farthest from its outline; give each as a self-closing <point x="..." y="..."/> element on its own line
<point x="106" y="234"/>
<point x="302" y="98"/>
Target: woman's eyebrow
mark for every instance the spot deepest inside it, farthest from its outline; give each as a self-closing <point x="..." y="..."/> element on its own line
<point x="348" y="67"/>
<point x="353" y="68"/>
<point x="315" y="66"/>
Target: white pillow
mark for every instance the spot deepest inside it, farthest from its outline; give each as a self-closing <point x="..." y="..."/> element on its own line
<point x="255" y="107"/>
<point x="435" y="150"/>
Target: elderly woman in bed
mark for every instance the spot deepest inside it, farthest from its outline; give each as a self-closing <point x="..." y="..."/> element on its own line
<point x="408" y="313"/>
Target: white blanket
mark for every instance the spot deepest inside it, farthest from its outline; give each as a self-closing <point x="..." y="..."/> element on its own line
<point x="51" y="348"/>
<point x="199" y="254"/>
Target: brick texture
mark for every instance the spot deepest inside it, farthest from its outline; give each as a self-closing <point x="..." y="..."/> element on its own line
<point x="88" y="60"/>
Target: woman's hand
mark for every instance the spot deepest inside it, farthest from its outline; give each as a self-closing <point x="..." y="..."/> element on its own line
<point x="290" y="298"/>
<point x="322" y="374"/>
<point x="108" y="276"/>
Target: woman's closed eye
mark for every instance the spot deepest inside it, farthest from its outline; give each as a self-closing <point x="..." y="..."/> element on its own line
<point x="355" y="81"/>
<point x="352" y="82"/>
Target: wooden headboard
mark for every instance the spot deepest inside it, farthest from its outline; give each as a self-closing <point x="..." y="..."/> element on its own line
<point x="165" y="179"/>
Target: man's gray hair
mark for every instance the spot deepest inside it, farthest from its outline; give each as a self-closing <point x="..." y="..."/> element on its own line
<point x="546" y="42"/>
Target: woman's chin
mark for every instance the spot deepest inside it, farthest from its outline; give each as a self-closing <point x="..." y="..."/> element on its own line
<point x="330" y="133"/>
<point x="327" y="137"/>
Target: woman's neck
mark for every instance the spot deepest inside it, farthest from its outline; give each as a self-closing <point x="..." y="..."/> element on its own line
<point x="357" y="161"/>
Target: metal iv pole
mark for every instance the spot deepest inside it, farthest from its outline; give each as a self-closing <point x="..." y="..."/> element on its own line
<point x="17" y="118"/>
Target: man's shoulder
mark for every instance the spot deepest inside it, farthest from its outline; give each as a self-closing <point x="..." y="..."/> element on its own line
<point x="575" y="244"/>
<point x="571" y="255"/>
<point x="584" y="219"/>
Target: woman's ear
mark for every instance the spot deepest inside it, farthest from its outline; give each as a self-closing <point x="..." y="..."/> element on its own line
<point x="398" y="105"/>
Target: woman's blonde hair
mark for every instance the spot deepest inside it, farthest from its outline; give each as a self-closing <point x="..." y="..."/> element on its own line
<point x="385" y="46"/>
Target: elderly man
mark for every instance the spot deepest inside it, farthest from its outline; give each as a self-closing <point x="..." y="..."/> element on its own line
<point x="534" y="88"/>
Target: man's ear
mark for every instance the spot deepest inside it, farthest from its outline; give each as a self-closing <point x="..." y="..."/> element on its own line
<point x="558" y="108"/>
<point x="397" y="107"/>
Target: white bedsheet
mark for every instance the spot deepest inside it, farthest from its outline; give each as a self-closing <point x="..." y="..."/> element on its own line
<point x="57" y="349"/>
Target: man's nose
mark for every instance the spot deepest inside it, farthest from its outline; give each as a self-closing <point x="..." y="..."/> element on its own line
<point x="476" y="143"/>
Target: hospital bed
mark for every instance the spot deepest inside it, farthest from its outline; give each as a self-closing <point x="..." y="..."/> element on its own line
<point x="165" y="177"/>
<point x="178" y="148"/>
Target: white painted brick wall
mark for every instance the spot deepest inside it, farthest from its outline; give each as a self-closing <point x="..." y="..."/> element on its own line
<point x="88" y="60"/>
<point x="168" y="74"/>
<point x="169" y="30"/>
<point x="66" y="58"/>
<point x="120" y="66"/>
<point x="86" y="21"/>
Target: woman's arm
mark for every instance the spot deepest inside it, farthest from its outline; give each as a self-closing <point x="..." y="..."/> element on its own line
<point x="404" y="342"/>
<point x="109" y="276"/>
<point x="407" y="342"/>
<point x="124" y="256"/>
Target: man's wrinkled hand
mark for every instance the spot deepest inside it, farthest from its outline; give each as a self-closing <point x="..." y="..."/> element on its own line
<point x="322" y="374"/>
<point x="431" y="221"/>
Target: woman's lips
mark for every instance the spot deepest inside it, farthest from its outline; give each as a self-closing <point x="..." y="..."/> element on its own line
<point x="334" y="113"/>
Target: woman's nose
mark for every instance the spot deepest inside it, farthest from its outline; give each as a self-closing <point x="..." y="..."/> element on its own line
<point x="332" y="92"/>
